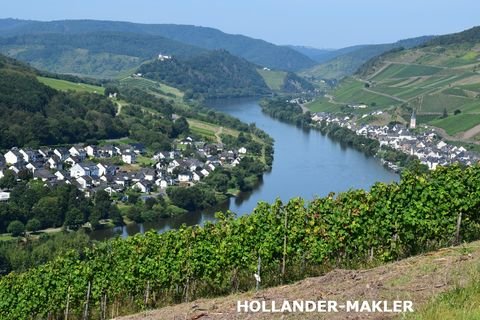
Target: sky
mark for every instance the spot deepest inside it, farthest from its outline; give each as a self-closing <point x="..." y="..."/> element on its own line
<point x="315" y="23"/>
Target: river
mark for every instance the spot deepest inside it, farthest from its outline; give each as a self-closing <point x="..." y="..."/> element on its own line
<point x="306" y="164"/>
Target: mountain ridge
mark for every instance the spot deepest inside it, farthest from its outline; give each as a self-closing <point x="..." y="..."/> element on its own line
<point x="255" y="50"/>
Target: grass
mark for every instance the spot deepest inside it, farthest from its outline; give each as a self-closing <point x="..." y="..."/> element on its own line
<point x="463" y="302"/>
<point x="145" y="161"/>
<point x="64" y="85"/>
<point x="209" y="129"/>
<point x="323" y="105"/>
<point x="273" y="79"/>
<point x="438" y="102"/>
<point x="6" y="237"/>
<point x="203" y="132"/>
<point x="152" y="86"/>
<point x="352" y="91"/>
<point x="459" y="123"/>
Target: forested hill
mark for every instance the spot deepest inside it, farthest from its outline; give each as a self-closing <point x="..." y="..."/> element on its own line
<point x="254" y="50"/>
<point x="211" y="75"/>
<point x="99" y="54"/>
<point x="34" y="114"/>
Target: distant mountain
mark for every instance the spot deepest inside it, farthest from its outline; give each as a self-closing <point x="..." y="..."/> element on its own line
<point x="34" y="114"/>
<point x="254" y="50"/>
<point x="211" y="75"/>
<point x="100" y="54"/>
<point x="346" y="61"/>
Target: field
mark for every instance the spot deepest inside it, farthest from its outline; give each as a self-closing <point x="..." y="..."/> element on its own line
<point x="208" y="130"/>
<point x="152" y="87"/>
<point x="273" y="79"/>
<point x="323" y="105"/>
<point x="64" y="85"/>
<point x="459" y="123"/>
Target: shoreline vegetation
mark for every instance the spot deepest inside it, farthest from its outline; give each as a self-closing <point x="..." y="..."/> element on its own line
<point x="284" y="110"/>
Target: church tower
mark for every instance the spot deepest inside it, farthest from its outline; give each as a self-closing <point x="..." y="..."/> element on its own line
<point x="413" y="120"/>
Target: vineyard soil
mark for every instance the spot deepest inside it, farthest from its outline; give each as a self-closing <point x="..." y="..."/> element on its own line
<point x="418" y="279"/>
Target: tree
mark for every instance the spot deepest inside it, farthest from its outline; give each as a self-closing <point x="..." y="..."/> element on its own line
<point x="48" y="211"/>
<point x="74" y="218"/>
<point x="180" y="126"/>
<point x="16" y="228"/>
<point x="8" y="180"/>
<point x="445" y="113"/>
<point x="458" y="111"/>
<point x="33" y="225"/>
<point x="134" y="214"/>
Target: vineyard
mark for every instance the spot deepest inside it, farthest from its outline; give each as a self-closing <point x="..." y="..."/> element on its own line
<point x="281" y="242"/>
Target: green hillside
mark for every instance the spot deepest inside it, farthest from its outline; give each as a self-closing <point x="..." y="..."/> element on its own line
<point x="274" y="79"/>
<point x="211" y="75"/>
<point x="254" y="50"/>
<point x="287" y="82"/>
<point x="344" y="62"/>
<point x="65" y="85"/>
<point x="35" y="114"/>
<point x="440" y="78"/>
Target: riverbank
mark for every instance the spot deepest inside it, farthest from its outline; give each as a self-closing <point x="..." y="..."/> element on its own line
<point x="291" y="111"/>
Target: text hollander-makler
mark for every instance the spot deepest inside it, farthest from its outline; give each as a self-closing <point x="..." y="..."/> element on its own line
<point x="325" y="306"/>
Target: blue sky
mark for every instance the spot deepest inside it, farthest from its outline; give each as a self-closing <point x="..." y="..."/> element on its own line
<point x="320" y="23"/>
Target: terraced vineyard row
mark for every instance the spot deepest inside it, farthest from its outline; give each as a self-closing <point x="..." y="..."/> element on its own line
<point x="289" y="241"/>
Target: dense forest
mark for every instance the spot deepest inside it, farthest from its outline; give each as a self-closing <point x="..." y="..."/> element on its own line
<point x="34" y="114"/>
<point x="212" y="75"/>
<point x="292" y="240"/>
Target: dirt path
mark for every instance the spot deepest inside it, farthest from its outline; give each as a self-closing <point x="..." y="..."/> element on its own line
<point x="460" y="137"/>
<point x="470" y="133"/>
<point x="385" y="95"/>
<point x="218" y="133"/>
<point x="385" y="66"/>
<point x="417" y="279"/>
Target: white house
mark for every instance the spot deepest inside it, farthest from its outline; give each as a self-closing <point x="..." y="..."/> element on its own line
<point x="60" y="175"/>
<point x="28" y="155"/>
<point x="13" y="156"/>
<point x="242" y="150"/>
<point x="84" y="182"/>
<point x="54" y="162"/>
<point x="91" y="151"/>
<point x="76" y="151"/>
<point x="162" y="183"/>
<point x="105" y="170"/>
<point x="197" y="176"/>
<point x="184" y="177"/>
<point x="83" y="169"/>
<point x="62" y="153"/>
<point x="129" y="157"/>
<point x="142" y="186"/>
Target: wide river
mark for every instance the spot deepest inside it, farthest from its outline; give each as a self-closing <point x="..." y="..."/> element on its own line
<point x="306" y="164"/>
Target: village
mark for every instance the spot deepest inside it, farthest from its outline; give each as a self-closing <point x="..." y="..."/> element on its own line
<point x="423" y="144"/>
<point x="115" y="168"/>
